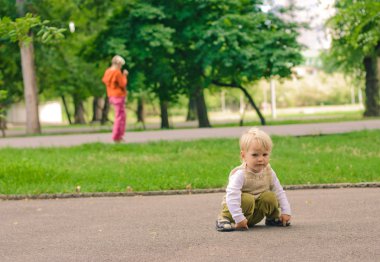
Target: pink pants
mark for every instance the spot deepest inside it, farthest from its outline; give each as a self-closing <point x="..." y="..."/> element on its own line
<point x="119" y="124"/>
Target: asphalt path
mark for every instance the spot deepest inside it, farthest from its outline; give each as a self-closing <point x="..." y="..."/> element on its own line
<point x="327" y="225"/>
<point x="189" y="134"/>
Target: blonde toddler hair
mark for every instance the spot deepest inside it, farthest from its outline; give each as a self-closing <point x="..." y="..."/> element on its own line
<point x="255" y="134"/>
<point x="118" y="60"/>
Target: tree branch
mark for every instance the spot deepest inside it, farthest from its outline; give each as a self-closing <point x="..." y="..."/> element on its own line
<point x="250" y="99"/>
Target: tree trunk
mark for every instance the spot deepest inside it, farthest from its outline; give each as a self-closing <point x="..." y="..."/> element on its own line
<point x="105" y="111"/>
<point x="201" y="107"/>
<point x="191" y="109"/>
<point x="242" y="114"/>
<point x="78" y="111"/>
<point x="250" y="99"/>
<point x="30" y="89"/>
<point x="97" y="109"/>
<point x="253" y="104"/>
<point x="30" y="83"/>
<point x="66" y="109"/>
<point x="372" y="105"/>
<point x="3" y="125"/>
<point x="141" y="111"/>
<point x="164" y="114"/>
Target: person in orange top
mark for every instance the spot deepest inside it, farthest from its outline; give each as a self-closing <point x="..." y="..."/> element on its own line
<point x="116" y="84"/>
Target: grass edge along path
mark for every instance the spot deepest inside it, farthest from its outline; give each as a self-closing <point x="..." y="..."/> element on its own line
<point x="168" y="165"/>
<point x="180" y="192"/>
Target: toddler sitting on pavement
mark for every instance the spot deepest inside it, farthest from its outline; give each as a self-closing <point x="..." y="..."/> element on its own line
<point x="253" y="190"/>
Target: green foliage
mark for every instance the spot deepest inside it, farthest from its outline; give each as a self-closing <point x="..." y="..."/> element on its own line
<point x="235" y="41"/>
<point x="8" y="8"/>
<point x="3" y="97"/>
<point x="355" y="34"/>
<point x="229" y="50"/>
<point x="359" y="23"/>
<point x="356" y="46"/>
<point x="63" y="69"/>
<point x="19" y="29"/>
<point x="228" y="39"/>
<point x="48" y="33"/>
<point x="170" y="46"/>
<point x="10" y="71"/>
<point x="138" y="33"/>
<point x="22" y="30"/>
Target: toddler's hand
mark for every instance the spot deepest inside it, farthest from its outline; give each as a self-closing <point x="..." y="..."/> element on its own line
<point x="242" y="224"/>
<point x="285" y="218"/>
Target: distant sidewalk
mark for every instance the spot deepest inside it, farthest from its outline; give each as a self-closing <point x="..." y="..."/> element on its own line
<point x="189" y="134"/>
<point x="216" y="118"/>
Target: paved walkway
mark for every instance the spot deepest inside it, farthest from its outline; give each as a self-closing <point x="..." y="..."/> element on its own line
<point x="328" y="225"/>
<point x="188" y="134"/>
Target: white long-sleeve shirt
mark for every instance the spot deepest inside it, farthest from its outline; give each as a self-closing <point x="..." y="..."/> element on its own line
<point x="233" y="196"/>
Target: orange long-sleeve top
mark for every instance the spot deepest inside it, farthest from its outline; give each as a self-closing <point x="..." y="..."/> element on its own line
<point x="116" y="82"/>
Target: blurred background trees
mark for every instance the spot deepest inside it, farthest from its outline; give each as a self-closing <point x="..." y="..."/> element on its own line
<point x="184" y="47"/>
<point x="23" y="31"/>
<point x="356" y="46"/>
<point x="184" y="54"/>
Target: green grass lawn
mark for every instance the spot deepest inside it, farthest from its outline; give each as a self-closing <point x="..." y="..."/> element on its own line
<point x="299" y="119"/>
<point x="352" y="157"/>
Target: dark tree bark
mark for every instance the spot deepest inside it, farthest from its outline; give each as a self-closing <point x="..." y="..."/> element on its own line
<point x="253" y="104"/>
<point x="141" y="111"/>
<point x="66" y="109"/>
<point x="372" y="103"/>
<point x="78" y="111"/>
<point x="247" y="95"/>
<point x="191" y="109"/>
<point x="201" y="107"/>
<point x="3" y="125"/>
<point x="241" y="122"/>
<point x="105" y="111"/>
<point x="97" y="109"/>
<point x="164" y="114"/>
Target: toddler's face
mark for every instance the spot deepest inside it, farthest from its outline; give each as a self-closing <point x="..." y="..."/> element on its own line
<point x="256" y="157"/>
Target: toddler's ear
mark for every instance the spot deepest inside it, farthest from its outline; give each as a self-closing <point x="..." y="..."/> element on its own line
<point x="242" y="154"/>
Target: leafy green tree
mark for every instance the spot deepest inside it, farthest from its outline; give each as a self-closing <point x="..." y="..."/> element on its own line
<point x="137" y="32"/>
<point x="356" y="46"/>
<point x="20" y="31"/>
<point x="189" y="19"/>
<point x="11" y="86"/>
<point x="230" y="44"/>
<point x="245" y="45"/>
<point x="65" y="71"/>
<point x="10" y="74"/>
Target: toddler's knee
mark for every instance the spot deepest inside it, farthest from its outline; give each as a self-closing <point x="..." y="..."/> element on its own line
<point x="246" y="197"/>
<point x="269" y="198"/>
<point x="247" y="201"/>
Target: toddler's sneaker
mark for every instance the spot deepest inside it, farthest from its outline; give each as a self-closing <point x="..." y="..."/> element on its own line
<point x="224" y="225"/>
<point x="275" y="223"/>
